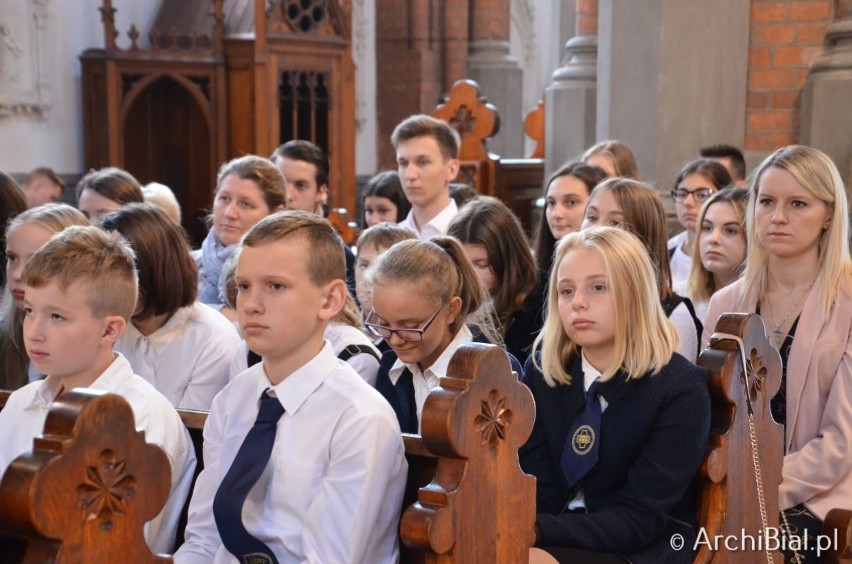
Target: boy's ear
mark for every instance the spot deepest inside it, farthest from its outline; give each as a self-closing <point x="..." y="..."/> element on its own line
<point x="453" y="169"/>
<point x="453" y="308"/>
<point x="114" y="326"/>
<point x="335" y="298"/>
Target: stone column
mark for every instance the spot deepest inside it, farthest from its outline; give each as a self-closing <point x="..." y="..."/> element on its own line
<point x="827" y="97"/>
<point x="671" y="79"/>
<point x="569" y="102"/>
<point x="497" y="72"/>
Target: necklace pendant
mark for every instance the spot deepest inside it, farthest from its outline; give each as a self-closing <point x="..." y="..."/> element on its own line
<point x="777" y="334"/>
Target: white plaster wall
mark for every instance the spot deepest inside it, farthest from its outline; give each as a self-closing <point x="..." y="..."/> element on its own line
<point x="55" y="138"/>
<point x="534" y="41"/>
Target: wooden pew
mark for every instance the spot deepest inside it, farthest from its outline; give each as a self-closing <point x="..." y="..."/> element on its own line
<point x="517" y="182"/>
<point x="466" y="462"/>
<point x="467" y="499"/>
<point x="729" y="502"/>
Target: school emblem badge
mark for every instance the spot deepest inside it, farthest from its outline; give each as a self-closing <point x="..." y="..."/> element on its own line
<point x="583" y="439"/>
<point x="257" y="558"/>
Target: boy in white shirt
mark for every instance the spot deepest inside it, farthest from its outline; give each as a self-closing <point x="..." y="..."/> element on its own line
<point x="427" y="153"/>
<point x="80" y="293"/>
<point x="304" y="461"/>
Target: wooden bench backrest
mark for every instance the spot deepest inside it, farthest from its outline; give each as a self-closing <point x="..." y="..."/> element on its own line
<point x="91" y="482"/>
<point x="475" y="120"/>
<point x="728" y="500"/>
<point x="517" y="182"/>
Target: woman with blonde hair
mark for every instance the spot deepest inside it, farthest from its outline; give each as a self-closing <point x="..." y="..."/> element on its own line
<point x="616" y="487"/>
<point x="614" y="157"/>
<point x="799" y="279"/>
<point x="27" y="232"/>
<point x="719" y="256"/>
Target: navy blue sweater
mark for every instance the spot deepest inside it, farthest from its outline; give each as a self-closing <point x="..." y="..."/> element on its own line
<point x="653" y="438"/>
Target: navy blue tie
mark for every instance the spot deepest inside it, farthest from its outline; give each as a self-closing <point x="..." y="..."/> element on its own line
<point x="246" y="469"/>
<point x="581" y="449"/>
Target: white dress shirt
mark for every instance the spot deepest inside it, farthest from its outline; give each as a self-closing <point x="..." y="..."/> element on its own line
<point x="332" y="491"/>
<point x="681" y="289"/>
<point x="438" y="225"/>
<point x="425" y="382"/>
<point x="340" y="336"/>
<point x="23" y="418"/>
<point x="680" y="263"/>
<point x="187" y="358"/>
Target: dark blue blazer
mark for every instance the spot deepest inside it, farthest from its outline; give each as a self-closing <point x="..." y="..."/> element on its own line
<point x="653" y="439"/>
<point x="401" y="395"/>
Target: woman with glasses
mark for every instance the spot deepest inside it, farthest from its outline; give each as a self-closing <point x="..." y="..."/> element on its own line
<point x="694" y="185"/>
<point x="424" y="292"/>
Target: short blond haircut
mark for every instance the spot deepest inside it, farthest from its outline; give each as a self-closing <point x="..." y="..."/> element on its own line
<point x="102" y="263"/>
<point x="323" y="246"/>
<point x="645" y="339"/>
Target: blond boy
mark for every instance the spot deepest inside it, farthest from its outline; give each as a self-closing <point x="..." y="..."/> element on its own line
<point x="304" y="461"/>
<point x="80" y="293"/>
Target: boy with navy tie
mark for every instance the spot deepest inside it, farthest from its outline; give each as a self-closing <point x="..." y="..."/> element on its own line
<point x="304" y="460"/>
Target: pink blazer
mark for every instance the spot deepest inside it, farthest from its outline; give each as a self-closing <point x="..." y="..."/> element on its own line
<point x="817" y="468"/>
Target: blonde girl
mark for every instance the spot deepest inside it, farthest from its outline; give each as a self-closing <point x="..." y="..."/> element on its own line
<point x="612" y="488"/>
<point x="26" y="234"/>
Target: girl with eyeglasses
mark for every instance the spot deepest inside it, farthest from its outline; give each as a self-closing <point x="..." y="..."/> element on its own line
<point x="693" y="186"/>
<point x="424" y="292"/>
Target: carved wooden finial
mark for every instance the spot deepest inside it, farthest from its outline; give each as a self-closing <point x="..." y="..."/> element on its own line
<point x="476" y="420"/>
<point x="133" y="34"/>
<point x="534" y="128"/>
<point x="108" y="19"/>
<point x="472" y="116"/>
<point x="91" y="482"/>
<point x="218" y="16"/>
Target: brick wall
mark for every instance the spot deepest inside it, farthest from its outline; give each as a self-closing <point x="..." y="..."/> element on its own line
<point x="786" y="36"/>
<point x="421" y="48"/>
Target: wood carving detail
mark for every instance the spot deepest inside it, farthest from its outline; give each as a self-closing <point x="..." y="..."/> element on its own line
<point x="106" y="490"/>
<point x="755" y="374"/>
<point x="494" y="419"/>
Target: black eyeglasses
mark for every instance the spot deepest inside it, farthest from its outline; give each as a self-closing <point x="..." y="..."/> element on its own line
<point x="410" y="335"/>
<point x="700" y="194"/>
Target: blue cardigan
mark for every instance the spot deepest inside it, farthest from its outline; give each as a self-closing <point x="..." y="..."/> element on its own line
<point x="653" y="438"/>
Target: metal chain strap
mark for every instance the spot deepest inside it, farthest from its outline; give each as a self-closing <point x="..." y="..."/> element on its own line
<point x="755" y="453"/>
